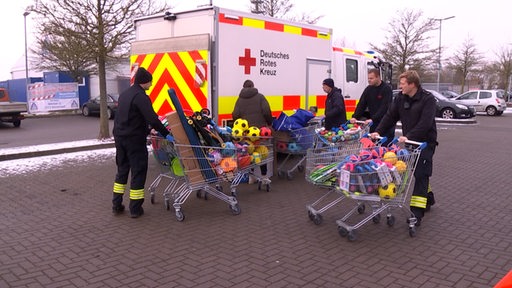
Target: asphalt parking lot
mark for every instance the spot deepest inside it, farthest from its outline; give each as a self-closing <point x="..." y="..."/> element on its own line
<point x="57" y="229"/>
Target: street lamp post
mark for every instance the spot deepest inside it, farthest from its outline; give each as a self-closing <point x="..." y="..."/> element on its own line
<point x="439" y="55"/>
<point x="25" y="14"/>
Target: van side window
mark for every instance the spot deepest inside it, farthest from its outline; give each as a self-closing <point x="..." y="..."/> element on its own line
<point x="351" y="70"/>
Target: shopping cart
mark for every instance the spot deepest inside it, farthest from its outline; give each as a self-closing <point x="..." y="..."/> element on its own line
<point x="322" y="170"/>
<point x="251" y="154"/>
<point x="344" y="136"/>
<point x="381" y="184"/>
<point x="294" y="144"/>
<point x="169" y="165"/>
<point x="204" y="168"/>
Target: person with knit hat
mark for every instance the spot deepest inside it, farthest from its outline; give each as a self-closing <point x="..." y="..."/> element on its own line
<point x="134" y="117"/>
<point x="335" y="113"/>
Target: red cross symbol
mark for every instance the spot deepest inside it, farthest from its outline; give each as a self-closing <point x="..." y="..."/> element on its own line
<point x="247" y="61"/>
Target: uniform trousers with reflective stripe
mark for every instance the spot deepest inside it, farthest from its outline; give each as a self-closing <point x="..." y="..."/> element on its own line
<point x="421" y="180"/>
<point x="132" y="157"/>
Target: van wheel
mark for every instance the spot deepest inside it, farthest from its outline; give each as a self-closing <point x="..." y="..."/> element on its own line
<point x="491" y="110"/>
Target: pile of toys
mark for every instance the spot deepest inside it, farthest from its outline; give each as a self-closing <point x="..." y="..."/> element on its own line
<point x="345" y="132"/>
<point x="248" y="145"/>
<point x="376" y="170"/>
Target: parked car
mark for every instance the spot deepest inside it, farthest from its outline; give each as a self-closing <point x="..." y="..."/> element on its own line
<point x="92" y="107"/>
<point x="449" y="94"/>
<point x="448" y="109"/>
<point x="491" y="102"/>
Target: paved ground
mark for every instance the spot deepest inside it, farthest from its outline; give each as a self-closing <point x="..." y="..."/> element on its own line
<point x="57" y="230"/>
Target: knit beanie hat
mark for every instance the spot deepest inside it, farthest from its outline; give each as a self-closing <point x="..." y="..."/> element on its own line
<point x="329" y="82"/>
<point x="142" y="76"/>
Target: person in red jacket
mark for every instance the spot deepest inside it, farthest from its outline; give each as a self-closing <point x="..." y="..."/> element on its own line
<point x="134" y="119"/>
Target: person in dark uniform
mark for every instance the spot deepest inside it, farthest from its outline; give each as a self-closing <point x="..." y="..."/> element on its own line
<point x="335" y="113"/>
<point x="416" y="109"/>
<point x="374" y="104"/>
<point x="133" y="122"/>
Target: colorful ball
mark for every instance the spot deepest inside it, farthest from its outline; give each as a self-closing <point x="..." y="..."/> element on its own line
<point x="262" y="150"/>
<point x="241" y="123"/>
<point x="400" y="166"/>
<point x="237" y="133"/>
<point x="253" y="133"/>
<point x="293" y="147"/>
<point x="244" y="161"/>
<point x="265" y="132"/>
<point x="281" y="146"/>
<point x="388" y="191"/>
<point x="352" y="158"/>
<point x="256" y="158"/>
<point x="402" y="153"/>
<point x="228" y="164"/>
<point x="229" y="149"/>
<point x="390" y="157"/>
<point x="215" y="157"/>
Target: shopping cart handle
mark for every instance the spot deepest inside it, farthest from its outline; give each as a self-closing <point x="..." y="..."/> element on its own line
<point x="421" y="145"/>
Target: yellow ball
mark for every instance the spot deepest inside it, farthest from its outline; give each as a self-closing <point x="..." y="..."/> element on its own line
<point x="400" y="166"/>
<point x="262" y="150"/>
<point x="388" y="191"/>
<point x="390" y="157"/>
<point x="256" y="158"/>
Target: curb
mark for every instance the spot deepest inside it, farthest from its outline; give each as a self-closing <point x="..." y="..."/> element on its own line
<point x="22" y="155"/>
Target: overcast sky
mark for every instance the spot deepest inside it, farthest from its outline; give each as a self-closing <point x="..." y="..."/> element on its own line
<point x="358" y="23"/>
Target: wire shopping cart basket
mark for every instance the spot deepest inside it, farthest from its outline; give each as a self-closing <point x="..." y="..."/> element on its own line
<point x="294" y="144"/>
<point x="379" y="178"/>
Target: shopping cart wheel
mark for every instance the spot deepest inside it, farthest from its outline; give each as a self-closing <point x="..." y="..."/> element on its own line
<point x="167" y="205"/>
<point x="342" y="231"/>
<point x="259" y="185"/>
<point x="281" y="174"/>
<point x="235" y="209"/>
<point x="412" y="231"/>
<point x="390" y="220"/>
<point x="289" y="175"/>
<point x="311" y="215"/>
<point x="152" y="198"/>
<point x="180" y="216"/>
<point x="376" y="219"/>
<point x="234" y="193"/>
<point x="361" y="208"/>
<point x="268" y="188"/>
<point x="352" y="236"/>
<point x="300" y="168"/>
<point x="318" y="219"/>
<point x="199" y="194"/>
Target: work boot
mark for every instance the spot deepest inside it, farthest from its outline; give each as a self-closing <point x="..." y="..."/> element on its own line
<point x="136" y="209"/>
<point x="117" y="203"/>
<point x="431" y="201"/>
<point x="418" y="213"/>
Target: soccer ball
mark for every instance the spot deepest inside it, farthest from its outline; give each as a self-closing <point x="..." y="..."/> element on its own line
<point x="256" y="158"/>
<point x="400" y="166"/>
<point x="265" y="132"/>
<point x="228" y="150"/>
<point x="388" y="191"/>
<point x="237" y="133"/>
<point x="241" y="123"/>
<point x="262" y="150"/>
<point x="378" y="152"/>
<point x="253" y="133"/>
<point x="365" y="155"/>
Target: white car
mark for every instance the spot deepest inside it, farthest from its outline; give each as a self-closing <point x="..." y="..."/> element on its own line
<point x="491" y="102"/>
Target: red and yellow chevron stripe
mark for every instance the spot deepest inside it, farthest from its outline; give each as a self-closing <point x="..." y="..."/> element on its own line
<point x="174" y="70"/>
<point x="274" y="26"/>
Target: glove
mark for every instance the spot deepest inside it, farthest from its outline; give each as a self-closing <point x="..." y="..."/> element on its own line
<point x="169" y="138"/>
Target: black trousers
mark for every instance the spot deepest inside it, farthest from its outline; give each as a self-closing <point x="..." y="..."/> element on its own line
<point x="131" y="156"/>
<point x="422" y="176"/>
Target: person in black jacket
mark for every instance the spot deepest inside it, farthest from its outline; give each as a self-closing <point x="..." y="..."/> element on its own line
<point x="374" y="104"/>
<point x="134" y="117"/>
<point x="335" y="113"/>
<point x="416" y="109"/>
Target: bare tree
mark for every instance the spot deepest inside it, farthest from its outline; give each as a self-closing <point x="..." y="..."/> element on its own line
<point x="406" y="46"/>
<point x="280" y="9"/>
<point x="504" y="65"/>
<point x="465" y="61"/>
<point x="84" y="36"/>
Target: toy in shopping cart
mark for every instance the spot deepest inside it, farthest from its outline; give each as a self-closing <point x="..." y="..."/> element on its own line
<point x="390" y="180"/>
